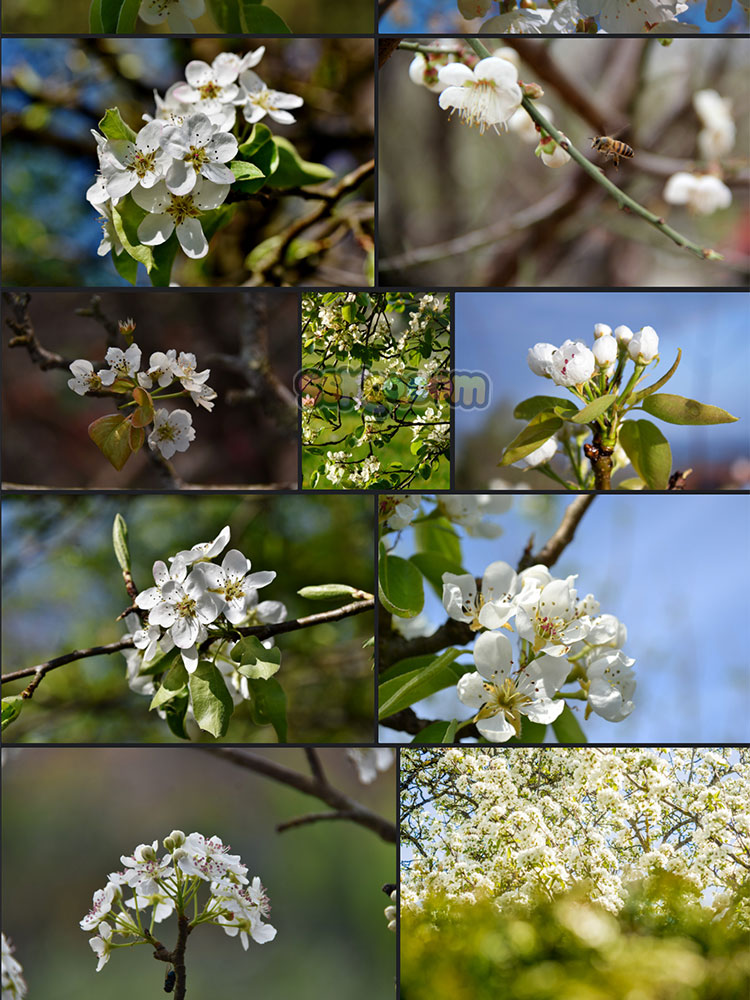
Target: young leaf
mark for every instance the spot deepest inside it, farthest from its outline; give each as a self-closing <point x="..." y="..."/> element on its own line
<point x="255" y="660"/>
<point x="528" y="408"/>
<point x="681" y="410"/>
<point x="144" y="413"/>
<point x="126" y="266"/>
<point x="172" y="686"/>
<point x="126" y="217"/>
<point x="437" y="535"/>
<point x="136" y="437"/>
<point x="649" y="451"/>
<point x="256" y="19"/>
<point x="437" y="732"/>
<point x="164" y="255"/>
<point x="120" y="543"/>
<point x="567" y="728"/>
<point x="244" y="171"/>
<point x="11" y="709"/>
<point x="405" y="690"/>
<point x="212" y="703"/>
<point x="110" y="435"/>
<point x="260" y="135"/>
<point x="112" y="126"/>
<point x="293" y="171"/>
<point x="638" y="396"/>
<point x="160" y="663"/>
<point x="400" y="586"/>
<point x="432" y="565"/>
<point x="128" y="17"/>
<point x="110" y="13"/>
<point x="175" y="711"/>
<point x="328" y="592"/>
<point x="95" y="18"/>
<point x="227" y="16"/>
<point x="269" y="702"/>
<point x="539" y="429"/>
<point x="594" y="409"/>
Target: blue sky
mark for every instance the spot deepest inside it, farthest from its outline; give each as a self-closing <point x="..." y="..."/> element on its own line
<point x="673" y="568"/>
<point x="494" y="331"/>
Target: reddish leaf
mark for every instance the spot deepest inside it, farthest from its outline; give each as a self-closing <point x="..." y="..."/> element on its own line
<point x="136" y="436"/>
<point x="144" y="415"/>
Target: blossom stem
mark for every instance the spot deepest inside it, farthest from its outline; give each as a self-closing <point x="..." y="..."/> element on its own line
<point x="623" y="200"/>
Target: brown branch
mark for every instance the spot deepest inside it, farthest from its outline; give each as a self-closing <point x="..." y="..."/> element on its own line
<point x="386" y="48"/>
<point x="308" y="786"/>
<point x="23" y="328"/>
<point x="41" y="669"/>
<point x="346" y="611"/>
<point x="556" y="544"/>
<point x="290" y="824"/>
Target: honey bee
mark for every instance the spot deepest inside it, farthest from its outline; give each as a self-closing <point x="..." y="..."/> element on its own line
<point x="612" y="148"/>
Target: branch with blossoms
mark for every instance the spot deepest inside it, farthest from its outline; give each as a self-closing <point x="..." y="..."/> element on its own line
<point x="177" y="180"/>
<point x="569" y="651"/>
<point x="607" y="394"/>
<point x="488" y="93"/>
<point x="200" y="642"/>
<point x="234" y="17"/>
<point x="374" y="389"/>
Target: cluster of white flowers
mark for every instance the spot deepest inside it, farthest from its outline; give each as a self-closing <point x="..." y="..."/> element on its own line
<point x="526" y="820"/>
<point x="172" y="430"/>
<point x="162" y="884"/>
<point x="190" y="595"/>
<point x="370" y="763"/>
<point x="175" y="168"/>
<point x="564" y="640"/>
<point x="472" y="512"/>
<point x="391" y="912"/>
<point x="705" y="193"/>
<point x="14" y="985"/>
<point x="573" y="364"/>
<point x="565" y="16"/>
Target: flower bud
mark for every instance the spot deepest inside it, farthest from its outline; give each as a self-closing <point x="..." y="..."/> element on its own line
<point x="540" y="455"/>
<point x="644" y="346"/>
<point x="174" y="840"/>
<point x="539" y="359"/>
<point x="532" y="90"/>
<point x="624" y="335"/>
<point x="602" y="330"/>
<point x="605" y="351"/>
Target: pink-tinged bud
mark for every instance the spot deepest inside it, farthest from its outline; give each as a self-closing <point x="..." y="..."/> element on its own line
<point x="532" y="90"/>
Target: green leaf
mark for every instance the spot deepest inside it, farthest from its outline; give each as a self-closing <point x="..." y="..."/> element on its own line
<point x="594" y="409"/>
<point x="258" y="20"/>
<point x="437" y="535"/>
<point x="128" y="16"/>
<point x="328" y="592"/>
<point x="164" y="255"/>
<point x="432" y="565"/>
<point x="110" y="435"/>
<point x="227" y="16"/>
<point x="126" y="217"/>
<point x="244" y="171"/>
<point x="400" y="692"/>
<point x="293" y="171"/>
<point x="212" y="703"/>
<point x="172" y="686"/>
<point x="255" y="660"/>
<point x="112" y="126"/>
<point x="126" y="266"/>
<point x="632" y="483"/>
<point x="527" y="409"/>
<point x="400" y="586"/>
<point x="437" y="732"/>
<point x="175" y="712"/>
<point x="159" y="664"/>
<point x="539" y="429"/>
<point x="269" y="702"/>
<point x="681" y="410"/>
<point x="110" y="14"/>
<point x="95" y="18"/>
<point x="260" y="135"/>
<point x="638" y="396"/>
<point x="144" y="414"/>
<point x="567" y="728"/>
<point x="120" y="543"/>
<point x="11" y="709"/>
<point x="532" y="732"/>
<point x="649" y="451"/>
<point x="216" y="218"/>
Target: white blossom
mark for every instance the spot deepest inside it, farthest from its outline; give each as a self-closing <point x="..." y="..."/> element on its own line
<point x="179" y="13"/>
<point x="572" y="364"/>
<point x="169" y="212"/>
<point x="126" y="165"/>
<point x="198" y="148"/>
<point x="486" y="96"/>
<point x="644" y="346"/>
<point x="258" y="100"/>
<point x="703" y="194"/>
<point x="13" y="984"/>
<point x="173" y="431"/>
<point x="85" y="379"/>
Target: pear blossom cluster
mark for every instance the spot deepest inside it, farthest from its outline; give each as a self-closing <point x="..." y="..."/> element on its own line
<point x="119" y="916"/>
<point x="193" y="598"/>
<point x="175" y="167"/>
<point x="574" y="363"/>
<point x="508" y="823"/>
<point x="576" y="16"/>
<point x="172" y="430"/>
<point x="472" y="512"/>
<point x="13" y="984"/>
<point x="564" y="642"/>
<point x="705" y="193"/>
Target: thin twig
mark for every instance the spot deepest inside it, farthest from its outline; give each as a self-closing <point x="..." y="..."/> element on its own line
<point x="556" y="544"/>
<point x="25" y="336"/>
<point x="308" y="786"/>
<point x="290" y="824"/>
<point x="41" y="669"/>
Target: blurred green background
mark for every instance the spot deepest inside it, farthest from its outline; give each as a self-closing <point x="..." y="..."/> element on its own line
<point x="68" y="815"/>
<point x="55" y="90"/>
<point x="48" y="17"/>
<point x="62" y="590"/>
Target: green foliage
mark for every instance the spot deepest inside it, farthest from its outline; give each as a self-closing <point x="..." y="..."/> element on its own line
<point x="403" y="689"/>
<point x="649" y="451"/>
<point x="663" y="946"/>
<point x="538" y="430"/>
<point x="400" y="586"/>
<point x="255" y="660"/>
<point x="212" y="703"/>
<point x="110" y="434"/>
<point x="680" y="410"/>
<point x="120" y="543"/>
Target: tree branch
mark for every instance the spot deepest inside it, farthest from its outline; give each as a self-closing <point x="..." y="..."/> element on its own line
<point x="21" y="325"/>
<point x="42" y="669"/>
<point x="562" y="537"/>
<point x="308" y="786"/>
